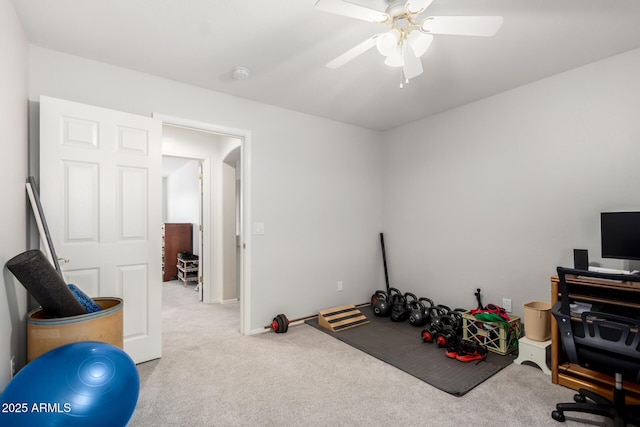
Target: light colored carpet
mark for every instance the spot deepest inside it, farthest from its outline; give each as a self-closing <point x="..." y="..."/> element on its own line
<point x="210" y="375"/>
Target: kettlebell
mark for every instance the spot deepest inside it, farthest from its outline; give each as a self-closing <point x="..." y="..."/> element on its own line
<point x="436" y="313"/>
<point x="456" y="313"/>
<point x="408" y="295"/>
<point x="431" y="304"/>
<point x="399" y="309"/>
<point x="392" y="295"/>
<point x="417" y="316"/>
<point x="380" y="304"/>
<point x="446" y="309"/>
<point x="447" y="335"/>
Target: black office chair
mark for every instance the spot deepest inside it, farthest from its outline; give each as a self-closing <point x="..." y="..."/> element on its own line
<point x="602" y="342"/>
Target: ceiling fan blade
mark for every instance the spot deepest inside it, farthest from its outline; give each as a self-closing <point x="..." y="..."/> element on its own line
<point x="412" y="64"/>
<point x="417" y="6"/>
<point x="351" y="10"/>
<point x="463" y="25"/>
<point x="353" y="53"/>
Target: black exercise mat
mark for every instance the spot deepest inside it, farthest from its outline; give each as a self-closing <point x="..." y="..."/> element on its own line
<point x="400" y="345"/>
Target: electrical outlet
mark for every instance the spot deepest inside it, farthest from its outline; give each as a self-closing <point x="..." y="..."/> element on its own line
<point x="12" y="366"/>
<point x="506" y="304"/>
<point x="340" y="286"/>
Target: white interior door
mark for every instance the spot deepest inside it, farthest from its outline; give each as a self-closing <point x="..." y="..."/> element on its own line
<point x="100" y="185"/>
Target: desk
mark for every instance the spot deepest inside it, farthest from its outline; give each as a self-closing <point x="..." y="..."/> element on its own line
<point x="620" y="297"/>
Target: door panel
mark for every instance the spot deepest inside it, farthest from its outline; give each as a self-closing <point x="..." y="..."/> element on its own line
<point x="80" y="202"/>
<point x="133" y="282"/>
<point x="100" y="184"/>
<point x="133" y="204"/>
<point x="89" y="278"/>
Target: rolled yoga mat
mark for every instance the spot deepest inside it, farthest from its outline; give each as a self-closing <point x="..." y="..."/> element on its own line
<point x="42" y="281"/>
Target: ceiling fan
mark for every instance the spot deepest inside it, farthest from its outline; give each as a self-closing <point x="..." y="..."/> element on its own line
<point x="410" y="33"/>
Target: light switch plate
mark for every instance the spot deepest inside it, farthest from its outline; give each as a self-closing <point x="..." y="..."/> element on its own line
<point x="258" y="228"/>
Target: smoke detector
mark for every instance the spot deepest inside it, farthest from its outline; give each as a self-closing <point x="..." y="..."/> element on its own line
<point x="240" y="73"/>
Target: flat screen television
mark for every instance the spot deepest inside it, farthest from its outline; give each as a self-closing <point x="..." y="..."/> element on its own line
<point x="620" y="235"/>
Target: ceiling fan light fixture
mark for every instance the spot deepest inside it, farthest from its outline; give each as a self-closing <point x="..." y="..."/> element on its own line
<point x="412" y="64"/>
<point x="387" y="43"/>
<point x="419" y="42"/>
<point x="396" y="59"/>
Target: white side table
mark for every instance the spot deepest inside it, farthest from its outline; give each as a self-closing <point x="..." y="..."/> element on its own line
<point x="534" y="351"/>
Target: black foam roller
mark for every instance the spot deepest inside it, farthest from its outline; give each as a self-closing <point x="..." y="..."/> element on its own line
<point x="42" y="281"/>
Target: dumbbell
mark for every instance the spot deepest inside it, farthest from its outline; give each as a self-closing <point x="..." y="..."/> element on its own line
<point x="280" y="324"/>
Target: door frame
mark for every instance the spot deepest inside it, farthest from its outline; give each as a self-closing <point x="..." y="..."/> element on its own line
<point x="245" y="209"/>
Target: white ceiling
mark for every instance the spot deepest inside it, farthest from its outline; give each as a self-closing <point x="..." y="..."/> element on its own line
<point x="286" y="44"/>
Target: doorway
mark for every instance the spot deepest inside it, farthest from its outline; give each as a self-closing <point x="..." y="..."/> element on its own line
<point x="182" y="218"/>
<point x="220" y="150"/>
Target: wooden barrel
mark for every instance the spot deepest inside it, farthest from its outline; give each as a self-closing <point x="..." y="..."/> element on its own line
<point x="45" y="334"/>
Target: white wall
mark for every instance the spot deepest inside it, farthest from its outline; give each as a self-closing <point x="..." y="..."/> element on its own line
<point x="183" y="198"/>
<point x="497" y="193"/>
<point x="13" y="139"/>
<point x="315" y="183"/>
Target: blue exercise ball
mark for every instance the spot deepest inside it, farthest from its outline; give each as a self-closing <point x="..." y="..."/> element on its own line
<point x="80" y="384"/>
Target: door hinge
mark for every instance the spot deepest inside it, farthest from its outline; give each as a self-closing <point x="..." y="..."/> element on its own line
<point x="200" y="227"/>
<point x="200" y="177"/>
<point x="200" y="279"/>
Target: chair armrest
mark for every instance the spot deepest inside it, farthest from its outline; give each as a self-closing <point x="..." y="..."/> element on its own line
<point x="566" y="332"/>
